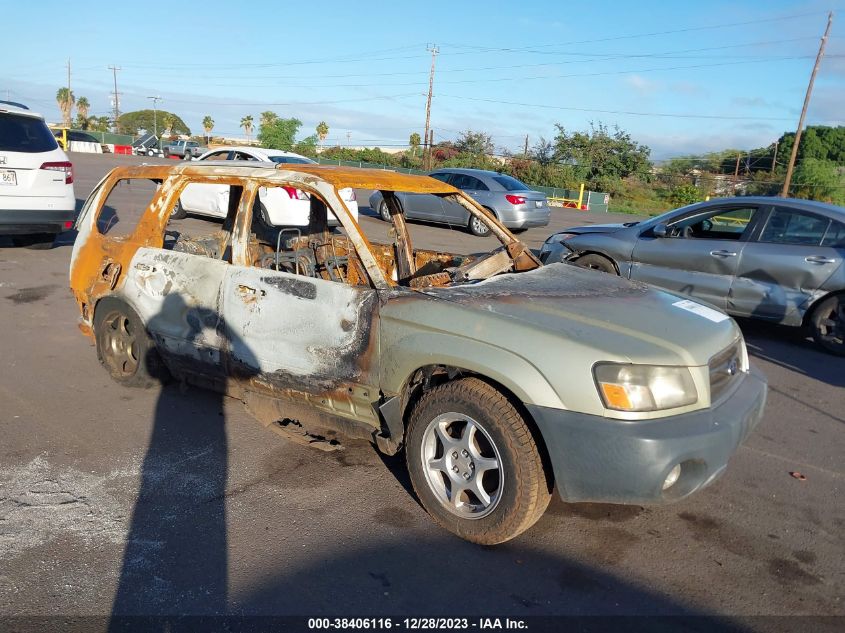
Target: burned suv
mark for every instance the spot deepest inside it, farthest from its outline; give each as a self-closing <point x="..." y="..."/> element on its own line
<point x="498" y="376"/>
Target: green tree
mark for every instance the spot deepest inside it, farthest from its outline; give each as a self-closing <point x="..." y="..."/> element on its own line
<point x="246" y="124"/>
<point x="276" y="132"/>
<point x="322" y="132"/>
<point x="82" y="107"/>
<point x="99" y="124"/>
<point x="307" y="146"/>
<point x="475" y="143"/>
<point x="134" y="122"/>
<point x="604" y="154"/>
<point x="207" y="126"/>
<point x="816" y="179"/>
<point x="414" y="141"/>
<point x="685" y="194"/>
<point x="65" y="99"/>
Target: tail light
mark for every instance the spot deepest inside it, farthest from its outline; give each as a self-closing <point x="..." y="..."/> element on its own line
<point x="515" y="199"/>
<point x="295" y="194"/>
<point x="64" y="166"/>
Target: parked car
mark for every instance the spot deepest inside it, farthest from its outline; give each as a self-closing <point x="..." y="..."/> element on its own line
<point x="776" y="259"/>
<point x="512" y="202"/>
<point x="66" y="136"/>
<point x="36" y="179"/>
<point x="184" y="149"/>
<point x="499" y="376"/>
<point x="284" y="207"/>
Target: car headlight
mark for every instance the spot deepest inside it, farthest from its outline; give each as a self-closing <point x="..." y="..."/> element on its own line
<point x="644" y="387"/>
<point x="559" y="237"/>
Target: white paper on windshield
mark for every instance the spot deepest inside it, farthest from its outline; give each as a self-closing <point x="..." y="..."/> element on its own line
<point x="702" y="311"/>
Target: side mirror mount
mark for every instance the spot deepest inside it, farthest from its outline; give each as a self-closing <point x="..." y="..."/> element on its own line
<point x="660" y="230"/>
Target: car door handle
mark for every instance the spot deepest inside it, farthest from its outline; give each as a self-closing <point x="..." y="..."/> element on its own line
<point x="819" y="259"/>
<point x="723" y="254"/>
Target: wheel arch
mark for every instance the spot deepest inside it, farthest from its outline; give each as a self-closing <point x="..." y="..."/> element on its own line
<point x="580" y="254"/>
<point x="808" y="313"/>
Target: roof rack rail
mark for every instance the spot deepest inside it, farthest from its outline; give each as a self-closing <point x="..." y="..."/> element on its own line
<point x="15" y="103"/>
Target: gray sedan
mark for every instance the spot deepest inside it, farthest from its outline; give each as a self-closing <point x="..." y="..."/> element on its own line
<point x="776" y="259"/>
<point x="511" y="201"/>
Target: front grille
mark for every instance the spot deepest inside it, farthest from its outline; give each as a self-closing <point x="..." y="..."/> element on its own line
<point x="725" y="369"/>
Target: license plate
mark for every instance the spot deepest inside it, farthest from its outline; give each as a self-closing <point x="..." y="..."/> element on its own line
<point x="538" y="203"/>
<point x="8" y="177"/>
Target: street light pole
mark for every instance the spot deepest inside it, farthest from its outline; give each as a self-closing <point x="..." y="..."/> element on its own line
<point x="155" y="114"/>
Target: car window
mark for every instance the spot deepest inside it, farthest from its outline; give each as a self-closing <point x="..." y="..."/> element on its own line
<point x="474" y="184"/>
<point x="835" y="235"/>
<point x="461" y="181"/>
<point x="205" y="236"/>
<point x="511" y="184"/>
<point x="125" y="205"/>
<point x="25" y="134"/>
<point x="718" y="224"/>
<point x="441" y="177"/>
<point x="244" y="156"/>
<point x="223" y="155"/>
<point x="789" y="226"/>
<point x="193" y="144"/>
<point x="293" y="160"/>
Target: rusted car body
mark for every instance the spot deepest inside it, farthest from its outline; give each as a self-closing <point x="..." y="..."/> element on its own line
<point x="484" y="366"/>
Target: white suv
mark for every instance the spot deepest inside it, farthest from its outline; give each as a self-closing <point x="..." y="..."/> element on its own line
<point x="36" y="179"/>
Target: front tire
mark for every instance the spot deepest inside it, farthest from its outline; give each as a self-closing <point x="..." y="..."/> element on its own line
<point x="124" y="348"/>
<point x="474" y="463"/>
<point x="828" y="325"/>
<point x="596" y="262"/>
<point x="178" y="212"/>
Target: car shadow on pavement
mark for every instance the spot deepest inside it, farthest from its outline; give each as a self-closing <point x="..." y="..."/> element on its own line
<point x="791" y="348"/>
<point x="175" y="560"/>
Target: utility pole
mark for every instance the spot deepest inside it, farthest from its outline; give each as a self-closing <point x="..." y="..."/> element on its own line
<point x="155" y="114"/>
<point x="774" y="159"/>
<point x="69" y="93"/>
<point x="785" y="191"/>
<point x="114" y="69"/>
<point x="525" y="151"/>
<point x="431" y="48"/>
<point x="736" y="169"/>
<point x="348" y="138"/>
<point x="430" y="146"/>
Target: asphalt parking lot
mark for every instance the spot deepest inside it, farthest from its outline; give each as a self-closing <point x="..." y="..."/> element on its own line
<point x="177" y="501"/>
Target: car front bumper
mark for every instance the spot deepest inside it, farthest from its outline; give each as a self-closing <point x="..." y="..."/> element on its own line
<point x="35" y="221"/>
<point x="615" y="461"/>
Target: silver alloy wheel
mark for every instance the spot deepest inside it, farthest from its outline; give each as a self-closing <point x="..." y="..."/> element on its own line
<point x="121" y="350"/>
<point x="462" y="465"/>
<point x="831" y="325"/>
<point x="478" y="227"/>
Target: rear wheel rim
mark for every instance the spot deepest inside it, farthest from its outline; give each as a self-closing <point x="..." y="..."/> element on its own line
<point x="478" y="227"/>
<point x="462" y="465"/>
<point x="121" y="350"/>
<point x="384" y="212"/>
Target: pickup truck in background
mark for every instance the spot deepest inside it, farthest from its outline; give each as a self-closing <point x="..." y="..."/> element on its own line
<point x="185" y="149"/>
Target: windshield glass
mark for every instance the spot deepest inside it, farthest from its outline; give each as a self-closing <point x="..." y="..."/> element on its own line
<point x="25" y="134"/>
<point x="511" y="184"/>
<point x="295" y="160"/>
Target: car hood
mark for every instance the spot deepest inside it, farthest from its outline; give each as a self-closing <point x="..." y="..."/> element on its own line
<point x="594" y="228"/>
<point x="623" y="319"/>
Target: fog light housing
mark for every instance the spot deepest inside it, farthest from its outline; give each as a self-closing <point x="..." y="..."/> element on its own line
<point x="672" y="477"/>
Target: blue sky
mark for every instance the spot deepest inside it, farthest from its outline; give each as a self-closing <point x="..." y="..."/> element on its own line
<point x="506" y="68"/>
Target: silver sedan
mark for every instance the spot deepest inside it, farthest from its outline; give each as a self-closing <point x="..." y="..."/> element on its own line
<point x="514" y="203"/>
<point x="776" y="259"/>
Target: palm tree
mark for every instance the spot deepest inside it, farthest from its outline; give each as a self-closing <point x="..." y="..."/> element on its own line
<point x="65" y="99"/>
<point x="169" y="122"/>
<point x="207" y="125"/>
<point x="322" y="132"/>
<point x="268" y="117"/>
<point x="414" y="142"/>
<point x="246" y="124"/>
<point x="82" y="106"/>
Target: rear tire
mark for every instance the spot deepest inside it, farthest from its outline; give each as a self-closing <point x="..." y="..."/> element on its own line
<point x="187" y="156"/>
<point x="474" y="463"/>
<point x="124" y="348"/>
<point x="477" y="227"/>
<point x="596" y="262"/>
<point x="178" y="212"/>
<point x="384" y="212"/>
<point x="828" y="325"/>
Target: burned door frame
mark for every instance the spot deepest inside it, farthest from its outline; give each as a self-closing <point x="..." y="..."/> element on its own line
<point x="308" y="340"/>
